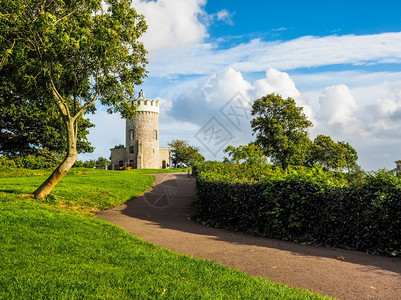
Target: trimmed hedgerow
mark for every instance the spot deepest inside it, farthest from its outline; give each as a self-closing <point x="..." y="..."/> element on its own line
<point x="364" y="216"/>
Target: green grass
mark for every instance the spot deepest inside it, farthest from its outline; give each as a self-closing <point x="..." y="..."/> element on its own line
<point x="56" y="249"/>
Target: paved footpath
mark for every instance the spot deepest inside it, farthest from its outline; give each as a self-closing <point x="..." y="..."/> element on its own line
<point x="160" y="216"/>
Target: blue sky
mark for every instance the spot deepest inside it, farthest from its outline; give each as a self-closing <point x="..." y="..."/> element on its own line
<point x="340" y="61"/>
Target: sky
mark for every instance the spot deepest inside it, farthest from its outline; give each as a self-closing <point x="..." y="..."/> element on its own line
<point x="209" y="60"/>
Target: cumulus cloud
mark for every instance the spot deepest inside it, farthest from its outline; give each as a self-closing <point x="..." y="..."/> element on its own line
<point x="201" y="103"/>
<point x="341" y="115"/>
<point x="227" y="97"/>
<point x="219" y="88"/>
<point x="172" y="24"/>
<point x="337" y="104"/>
<point x="383" y="119"/>
<point x="276" y="82"/>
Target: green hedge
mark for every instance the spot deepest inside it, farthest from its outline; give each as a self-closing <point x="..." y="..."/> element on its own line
<point x="364" y="216"/>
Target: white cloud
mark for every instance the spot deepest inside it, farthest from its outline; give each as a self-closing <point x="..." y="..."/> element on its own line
<point x="172" y="24"/>
<point x="225" y="16"/>
<point x="276" y="82"/>
<point x="337" y="105"/>
<point x="383" y="119"/>
<point x="165" y="105"/>
<point x="221" y="86"/>
<point x="304" y="52"/>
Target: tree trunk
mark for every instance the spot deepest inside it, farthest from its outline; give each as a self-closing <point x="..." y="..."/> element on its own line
<point x="71" y="157"/>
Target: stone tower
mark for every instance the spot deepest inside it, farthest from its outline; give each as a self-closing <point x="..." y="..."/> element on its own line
<point x="142" y="139"/>
<point x="142" y="134"/>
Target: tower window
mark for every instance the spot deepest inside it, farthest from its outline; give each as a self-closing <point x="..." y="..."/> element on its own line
<point x="131" y="149"/>
<point x="155" y="134"/>
<point x="131" y="134"/>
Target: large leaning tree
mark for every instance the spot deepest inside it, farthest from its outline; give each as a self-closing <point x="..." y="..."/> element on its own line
<point x="68" y="55"/>
<point x="281" y="129"/>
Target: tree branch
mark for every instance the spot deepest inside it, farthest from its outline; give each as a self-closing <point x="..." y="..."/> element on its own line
<point x="69" y="14"/>
<point x="4" y="59"/>
<point x="59" y="100"/>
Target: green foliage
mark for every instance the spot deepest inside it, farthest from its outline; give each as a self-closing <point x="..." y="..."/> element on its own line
<point x="102" y="161"/>
<point x="26" y="128"/>
<point x="42" y="160"/>
<point x="89" y="163"/>
<point x="332" y="155"/>
<point x="50" y="199"/>
<point x="183" y="153"/>
<point x="253" y="173"/>
<point x="281" y="129"/>
<point x="78" y="164"/>
<point x="305" y="205"/>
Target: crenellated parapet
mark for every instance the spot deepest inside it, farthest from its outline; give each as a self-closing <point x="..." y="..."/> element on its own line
<point x="144" y="105"/>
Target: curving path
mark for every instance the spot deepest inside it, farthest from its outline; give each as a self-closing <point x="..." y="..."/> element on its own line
<point x="161" y="216"/>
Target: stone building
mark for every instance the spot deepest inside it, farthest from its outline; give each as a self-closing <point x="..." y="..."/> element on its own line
<point x="141" y="149"/>
<point x="398" y="167"/>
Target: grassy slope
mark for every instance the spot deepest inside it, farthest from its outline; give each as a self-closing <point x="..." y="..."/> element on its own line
<point x="50" y="249"/>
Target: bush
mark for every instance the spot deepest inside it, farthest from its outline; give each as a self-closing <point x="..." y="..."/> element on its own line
<point x="305" y="206"/>
<point x="89" y="164"/>
<point x="78" y="164"/>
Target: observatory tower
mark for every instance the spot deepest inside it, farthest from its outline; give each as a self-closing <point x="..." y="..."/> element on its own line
<point x="142" y="139"/>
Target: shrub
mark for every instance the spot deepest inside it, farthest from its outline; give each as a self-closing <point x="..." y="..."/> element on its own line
<point x="308" y="206"/>
<point x="89" y="164"/>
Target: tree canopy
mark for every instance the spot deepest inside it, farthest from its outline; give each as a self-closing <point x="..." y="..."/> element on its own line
<point x="250" y="154"/>
<point x="26" y="128"/>
<point x="66" y="55"/>
<point x="281" y="129"/>
<point x="183" y="153"/>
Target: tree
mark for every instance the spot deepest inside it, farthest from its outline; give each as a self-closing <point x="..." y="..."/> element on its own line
<point x="332" y="155"/>
<point x="251" y="155"/>
<point x="281" y="129"/>
<point x="350" y="156"/>
<point x="183" y="153"/>
<point x="102" y="161"/>
<point x="326" y="152"/>
<point x="90" y="164"/>
<point x="66" y="55"/>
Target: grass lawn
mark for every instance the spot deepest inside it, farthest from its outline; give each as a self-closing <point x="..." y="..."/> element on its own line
<point x="56" y="249"/>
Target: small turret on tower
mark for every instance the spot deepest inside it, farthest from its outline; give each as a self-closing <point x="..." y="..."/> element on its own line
<point x="146" y="105"/>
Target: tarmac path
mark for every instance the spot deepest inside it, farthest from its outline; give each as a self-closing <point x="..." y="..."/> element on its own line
<point x="161" y="216"/>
